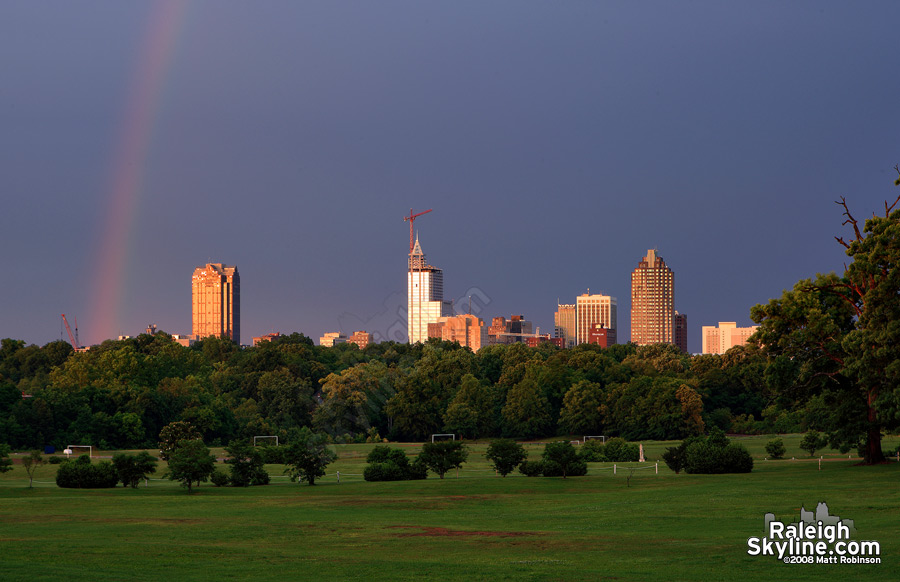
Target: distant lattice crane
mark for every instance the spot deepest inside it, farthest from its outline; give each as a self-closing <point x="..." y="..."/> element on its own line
<point x="412" y="217"/>
<point x="73" y="339"/>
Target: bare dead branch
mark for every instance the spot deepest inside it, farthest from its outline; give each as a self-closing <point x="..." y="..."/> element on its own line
<point x="889" y="209"/>
<point x="850" y="218"/>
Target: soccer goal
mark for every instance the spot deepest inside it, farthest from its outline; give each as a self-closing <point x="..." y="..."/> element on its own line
<point x="601" y="437"/>
<point x="270" y="436"/>
<point x="443" y="437"/>
<point x="69" y="450"/>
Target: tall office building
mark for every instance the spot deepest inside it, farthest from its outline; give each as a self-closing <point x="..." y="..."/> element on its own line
<point x="593" y="310"/>
<point x="679" y="331"/>
<point x="718" y="340"/>
<point x="425" y="296"/>
<point x="564" y="324"/>
<point x="216" y="302"/>
<point x="652" y="301"/>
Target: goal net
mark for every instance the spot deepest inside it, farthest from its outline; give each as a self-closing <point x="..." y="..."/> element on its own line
<point x="601" y="438"/>
<point x="70" y="450"/>
<point x="266" y="437"/>
<point x="443" y="437"/>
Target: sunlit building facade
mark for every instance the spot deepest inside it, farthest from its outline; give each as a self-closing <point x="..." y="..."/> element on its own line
<point x="216" y="302"/>
<point x="466" y="329"/>
<point x="593" y="310"/>
<point x="425" y="296"/>
<point x="564" y="324"/>
<point x="652" y="301"/>
<point x="718" y="340"/>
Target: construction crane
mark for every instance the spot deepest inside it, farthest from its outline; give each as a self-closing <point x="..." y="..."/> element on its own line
<point x="412" y="218"/>
<point x="73" y="339"/>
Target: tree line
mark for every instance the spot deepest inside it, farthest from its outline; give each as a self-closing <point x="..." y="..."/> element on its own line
<point x="122" y="393"/>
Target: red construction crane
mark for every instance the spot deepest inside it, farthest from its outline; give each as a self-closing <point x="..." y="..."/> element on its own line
<point x="411" y="218"/>
<point x="73" y="339"/>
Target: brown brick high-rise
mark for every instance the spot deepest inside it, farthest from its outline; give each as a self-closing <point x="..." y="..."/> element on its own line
<point x="652" y="301"/>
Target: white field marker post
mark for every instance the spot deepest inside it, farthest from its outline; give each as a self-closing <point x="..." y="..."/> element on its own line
<point x="657" y="467"/>
<point x="339" y="477"/>
<point x="614" y="469"/>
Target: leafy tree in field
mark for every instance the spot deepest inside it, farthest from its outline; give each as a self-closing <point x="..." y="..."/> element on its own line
<point x="442" y="456"/>
<point x="31" y="462"/>
<point x="505" y="455"/>
<point x="581" y="413"/>
<point x="775" y="448"/>
<point x="837" y="337"/>
<point x="812" y="442"/>
<point x="191" y="462"/>
<point x="174" y="433"/>
<point x="388" y="464"/>
<point x="306" y="461"/>
<point x="561" y="457"/>
<point x="246" y="465"/>
<point x="5" y="461"/>
<point x="132" y="469"/>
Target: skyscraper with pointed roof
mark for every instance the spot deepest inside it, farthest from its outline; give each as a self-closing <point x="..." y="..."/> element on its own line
<point x="425" y="295"/>
<point x="652" y="301"/>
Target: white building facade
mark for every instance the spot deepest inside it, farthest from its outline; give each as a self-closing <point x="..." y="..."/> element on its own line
<point x="425" y="296"/>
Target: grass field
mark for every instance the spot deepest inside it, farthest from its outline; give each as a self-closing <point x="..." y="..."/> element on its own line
<point x="632" y="525"/>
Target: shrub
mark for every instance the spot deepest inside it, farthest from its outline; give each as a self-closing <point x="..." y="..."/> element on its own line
<point x="714" y="455"/>
<point x="55" y="460"/>
<point x="532" y="468"/>
<point x="219" y="478"/>
<point x="618" y="450"/>
<point x="81" y="474"/>
<point x="387" y="464"/>
<point x="576" y="468"/>
<point x="592" y="451"/>
<point x="775" y="448"/>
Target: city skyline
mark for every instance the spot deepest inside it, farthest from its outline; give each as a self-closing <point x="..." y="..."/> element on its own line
<point x="554" y="143"/>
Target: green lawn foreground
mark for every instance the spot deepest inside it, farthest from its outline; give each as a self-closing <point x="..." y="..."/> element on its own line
<point x="477" y="527"/>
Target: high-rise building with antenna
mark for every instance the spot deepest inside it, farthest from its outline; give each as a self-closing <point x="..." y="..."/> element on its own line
<point x="425" y="295"/>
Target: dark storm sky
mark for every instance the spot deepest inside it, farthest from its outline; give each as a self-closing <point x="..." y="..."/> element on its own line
<point x="555" y="141"/>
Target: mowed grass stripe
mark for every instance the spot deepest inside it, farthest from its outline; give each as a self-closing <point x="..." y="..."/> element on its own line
<point x="661" y="527"/>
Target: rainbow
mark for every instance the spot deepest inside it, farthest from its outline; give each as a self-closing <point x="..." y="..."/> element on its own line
<point x="131" y="148"/>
